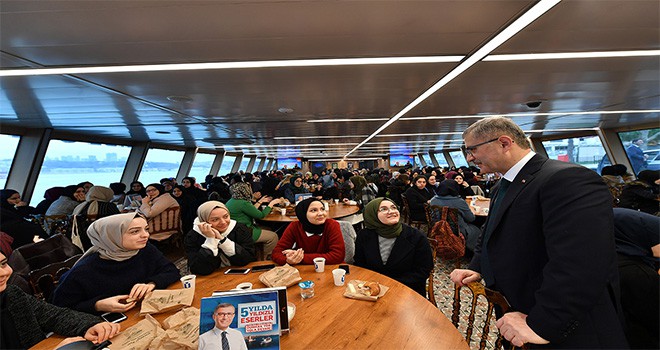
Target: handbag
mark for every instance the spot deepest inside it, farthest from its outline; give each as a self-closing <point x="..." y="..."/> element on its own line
<point x="449" y="245"/>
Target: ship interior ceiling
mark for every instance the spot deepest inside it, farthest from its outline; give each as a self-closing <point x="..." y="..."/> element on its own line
<point x="325" y="79"/>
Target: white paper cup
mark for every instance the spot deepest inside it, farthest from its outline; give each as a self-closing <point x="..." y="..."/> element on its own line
<point x="338" y="275"/>
<point x="336" y="201"/>
<point x="283" y="211"/>
<point x="319" y="264"/>
<point x="188" y="281"/>
<point x="244" y="286"/>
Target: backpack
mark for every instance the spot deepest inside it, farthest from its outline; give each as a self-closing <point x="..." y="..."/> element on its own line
<point x="448" y="244"/>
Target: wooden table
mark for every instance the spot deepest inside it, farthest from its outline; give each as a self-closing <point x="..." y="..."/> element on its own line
<point x="336" y="211"/>
<point x="480" y="207"/>
<point x="401" y="319"/>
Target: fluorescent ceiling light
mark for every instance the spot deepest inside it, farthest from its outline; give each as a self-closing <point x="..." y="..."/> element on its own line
<point x="232" y="65"/>
<point x="346" y="120"/>
<point x="568" y="55"/>
<point x="316" y="137"/>
<point x="521" y="22"/>
<point x="422" y="134"/>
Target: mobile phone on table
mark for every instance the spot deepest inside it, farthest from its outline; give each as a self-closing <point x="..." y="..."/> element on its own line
<point x="113" y="317"/>
<point x="345" y="268"/>
<point x="237" y="271"/>
<point x="262" y="267"/>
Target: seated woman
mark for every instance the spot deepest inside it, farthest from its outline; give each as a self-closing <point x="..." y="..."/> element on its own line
<point x="188" y="207"/>
<point x="448" y="196"/>
<point x="312" y="236"/>
<point x="156" y="202"/>
<point x="27" y="320"/>
<point x="642" y="194"/>
<point x="464" y="189"/>
<point x="217" y="241"/>
<point x="50" y="196"/>
<point x="295" y="187"/>
<point x="243" y="211"/>
<point x="71" y="196"/>
<point x="119" y="270"/>
<point x="417" y="196"/>
<point x="118" y="190"/>
<point x="137" y="188"/>
<point x="12" y="220"/>
<point x="392" y="248"/>
<point x="97" y="205"/>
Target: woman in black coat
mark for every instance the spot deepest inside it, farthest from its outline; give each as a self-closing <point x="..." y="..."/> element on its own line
<point x="417" y="196"/>
<point x="392" y="248"/>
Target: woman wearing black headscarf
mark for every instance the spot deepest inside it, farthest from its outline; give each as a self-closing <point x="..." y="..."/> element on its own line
<point x="392" y="248"/>
<point x="642" y="194"/>
<point x="295" y="187"/>
<point x="13" y="222"/>
<point x="71" y="196"/>
<point x="312" y="236"/>
<point x="156" y="202"/>
<point x="137" y="188"/>
<point x="448" y="196"/>
<point x="50" y="196"/>
<point x="417" y="196"/>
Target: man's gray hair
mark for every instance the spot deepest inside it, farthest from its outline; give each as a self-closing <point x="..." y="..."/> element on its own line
<point x="489" y="128"/>
<point x="222" y="305"/>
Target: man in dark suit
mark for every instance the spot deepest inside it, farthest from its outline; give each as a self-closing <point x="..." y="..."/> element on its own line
<point x="638" y="159"/>
<point x="548" y="245"/>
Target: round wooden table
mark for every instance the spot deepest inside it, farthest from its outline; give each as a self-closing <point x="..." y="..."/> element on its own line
<point x="401" y="319"/>
<point x="335" y="211"/>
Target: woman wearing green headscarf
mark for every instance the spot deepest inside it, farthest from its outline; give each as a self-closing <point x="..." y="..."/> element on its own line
<point x="392" y="248"/>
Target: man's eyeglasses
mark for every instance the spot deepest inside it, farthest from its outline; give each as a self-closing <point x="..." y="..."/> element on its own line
<point x="469" y="149"/>
<point x="388" y="209"/>
<point x="226" y="314"/>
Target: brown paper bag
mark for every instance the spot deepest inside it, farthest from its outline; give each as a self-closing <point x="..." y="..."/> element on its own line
<point x="181" y="331"/>
<point x="353" y="291"/>
<point x="281" y="276"/>
<point x="139" y="336"/>
<point x="165" y="300"/>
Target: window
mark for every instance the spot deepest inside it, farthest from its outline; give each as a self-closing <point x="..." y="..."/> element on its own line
<point x="161" y="163"/>
<point x="440" y="158"/>
<point x="201" y="166"/>
<point x="587" y="151"/>
<point x="7" y="152"/>
<point x="642" y="148"/>
<point x="458" y="158"/>
<point x="227" y="165"/>
<point x="71" y="162"/>
<point x="427" y="159"/>
<point x="244" y="163"/>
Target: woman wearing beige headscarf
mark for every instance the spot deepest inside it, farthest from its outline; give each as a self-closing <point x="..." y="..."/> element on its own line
<point x="216" y="240"/>
<point x="118" y="270"/>
<point x="96" y="205"/>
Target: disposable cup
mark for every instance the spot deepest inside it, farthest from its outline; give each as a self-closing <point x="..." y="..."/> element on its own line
<point x="319" y="264"/>
<point x="283" y="211"/>
<point x="338" y="275"/>
<point x="244" y="286"/>
<point x="336" y="201"/>
<point x="188" y="281"/>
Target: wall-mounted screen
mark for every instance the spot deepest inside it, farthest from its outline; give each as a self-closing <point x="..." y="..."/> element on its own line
<point x="289" y="163"/>
<point x="400" y="160"/>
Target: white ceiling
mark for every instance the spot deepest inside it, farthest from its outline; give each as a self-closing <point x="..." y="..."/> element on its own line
<point x="231" y="108"/>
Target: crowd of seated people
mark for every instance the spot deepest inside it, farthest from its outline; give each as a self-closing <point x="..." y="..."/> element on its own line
<point x="220" y="221"/>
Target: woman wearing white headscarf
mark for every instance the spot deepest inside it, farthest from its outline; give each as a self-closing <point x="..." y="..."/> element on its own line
<point x="119" y="269"/>
<point x="217" y="241"/>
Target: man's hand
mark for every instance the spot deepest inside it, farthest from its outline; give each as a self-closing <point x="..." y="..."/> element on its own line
<point x="113" y="304"/>
<point x="513" y="327"/>
<point x="101" y="332"/>
<point x="464" y="276"/>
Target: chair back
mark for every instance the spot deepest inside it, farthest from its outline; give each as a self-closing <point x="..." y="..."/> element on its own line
<point x="348" y="232"/>
<point x="33" y="257"/>
<point x="493" y="298"/>
<point x="405" y="214"/>
<point x="44" y="280"/>
<point x="165" y="225"/>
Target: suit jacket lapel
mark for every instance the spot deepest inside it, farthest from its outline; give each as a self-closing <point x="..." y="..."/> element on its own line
<point x="524" y="178"/>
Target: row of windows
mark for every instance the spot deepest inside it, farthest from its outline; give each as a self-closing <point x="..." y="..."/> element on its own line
<point x="68" y="162"/>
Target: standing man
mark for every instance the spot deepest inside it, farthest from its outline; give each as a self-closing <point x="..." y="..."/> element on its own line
<point x="548" y="245"/>
<point x="637" y="156"/>
<point x="221" y="337"/>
